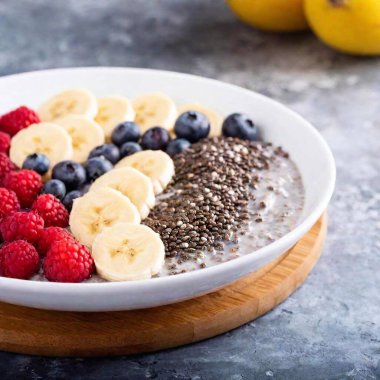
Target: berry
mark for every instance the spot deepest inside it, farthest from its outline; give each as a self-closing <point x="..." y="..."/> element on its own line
<point x="8" y="202"/>
<point x="27" y="184"/>
<point x="52" y="211"/>
<point x="37" y="162"/>
<point x="129" y="148"/>
<point x="22" y="226"/>
<point x="55" y="187"/>
<point x="125" y="132"/>
<point x="49" y="236"/>
<point x="192" y="126"/>
<point x="177" y="146"/>
<point x="70" y="173"/>
<point x="108" y="151"/>
<point x="6" y="166"/>
<point x="155" y="138"/>
<point x="241" y="126"/>
<point x="19" y="259"/>
<point x="96" y="167"/>
<point x="20" y="118"/>
<point x="5" y="142"/>
<point x="70" y="197"/>
<point x="68" y="261"/>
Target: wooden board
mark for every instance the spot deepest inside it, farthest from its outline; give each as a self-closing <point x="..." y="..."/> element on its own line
<point x="53" y="333"/>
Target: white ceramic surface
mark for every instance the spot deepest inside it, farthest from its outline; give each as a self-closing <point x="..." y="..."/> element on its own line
<point x="279" y="125"/>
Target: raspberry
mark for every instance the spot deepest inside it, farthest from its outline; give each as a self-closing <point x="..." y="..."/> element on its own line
<point x="49" y="236"/>
<point x="53" y="212"/>
<point x="19" y="260"/>
<point x="22" y="226"/>
<point x="5" y="142"/>
<point x="6" y="166"/>
<point x="27" y="184"/>
<point x="20" y="118"/>
<point x="68" y="261"/>
<point x="8" y="202"/>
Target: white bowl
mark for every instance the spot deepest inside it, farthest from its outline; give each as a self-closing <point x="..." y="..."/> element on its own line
<point x="279" y="125"/>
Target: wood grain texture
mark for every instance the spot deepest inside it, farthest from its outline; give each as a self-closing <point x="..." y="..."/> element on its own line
<point x="53" y="333"/>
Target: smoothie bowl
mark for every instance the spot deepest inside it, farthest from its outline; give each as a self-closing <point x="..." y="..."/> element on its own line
<point x="136" y="188"/>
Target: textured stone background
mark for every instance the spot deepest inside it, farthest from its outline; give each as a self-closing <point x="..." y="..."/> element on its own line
<point x="330" y="328"/>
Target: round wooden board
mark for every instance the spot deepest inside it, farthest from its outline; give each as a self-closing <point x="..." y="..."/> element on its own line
<point x="53" y="333"/>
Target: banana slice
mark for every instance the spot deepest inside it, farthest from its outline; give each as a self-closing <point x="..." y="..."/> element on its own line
<point x="154" y="109"/>
<point x="85" y="135"/>
<point x="155" y="164"/>
<point x="126" y="252"/>
<point x="214" y="118"/>
<point x="76" y="101"/>
<point x="100" y="209"/>
<point x="113" y="110"/>
<point x="130" y="182"/>
<point x="47" y="138"/>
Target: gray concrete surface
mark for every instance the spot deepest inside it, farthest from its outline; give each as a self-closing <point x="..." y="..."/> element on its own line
<point x="330" y="328"/>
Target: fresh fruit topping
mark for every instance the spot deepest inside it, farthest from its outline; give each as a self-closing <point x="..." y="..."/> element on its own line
<point x="19" y="259"/>
<point x="5" y="142"/>
<point x="70" y="197"/>
<point x="22" y="226"/>
<point x="85" y="135"/>
<point x="127" y="252"/>
<point x="6" y="166"/>
<point x="125" y="132"/>
<point x="49" y="236"/>
<point x="27" y="184"/>
<point x="8" y="202"/>
<point x="241" y="126"/>
<point x="154" y="109"/>
<point x="37" y="162"/>
<point x="177" y="146"/>
<point x="18" y="119"/>
<point x="68" y="261"/>
<point x="72" y="174"/>
<point x="100" y="209"/>
<point x="192" y="126"/>
<point x="52" y="211"/>
<point x="113" y="110"/>
<point x="55" y="187"/>
<point x="155" y="164"/>
<point x="69" y="102"/>
<point x="155" y="138"/>
<point x="108" y="151"/>
<point x="46" y="138"/>
<point x="129" y="148"/>
<point x="131" y="183"/>
<point x="214" y="118"/>
<point x="96" y="167"/>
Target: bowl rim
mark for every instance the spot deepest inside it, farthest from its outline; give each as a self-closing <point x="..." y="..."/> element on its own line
<point x="92" y="288"/>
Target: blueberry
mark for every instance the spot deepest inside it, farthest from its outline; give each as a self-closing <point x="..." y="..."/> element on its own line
<point x="109" y="151"/>
<point x="70" y="173"/>
<point x="70" y="197"/>
<point x="155" y="138"/>
<point x="129" y="148"/>
<point x="55" y="187"/>
<point x="177" y="146"/>
<point x="241" y="126"/>
<point x="124" y="132"/>
<point x="192" y="126"/>
<point x="37" y="162"/>
<point x="96" y="167"/>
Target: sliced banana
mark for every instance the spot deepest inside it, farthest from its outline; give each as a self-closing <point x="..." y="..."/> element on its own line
<point x="85" y="134"/>
<point x="214" y="118"/>
<point x="130" y="182"/>
<point x="113" y="110"/>
<point x="154" y="109"/>
<point x="47" y="138"/>
<point x="99" y="209"/>
<point x="126" y="252"/>
<point x="76" y="101"/>
<point x="155" y="164"/>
